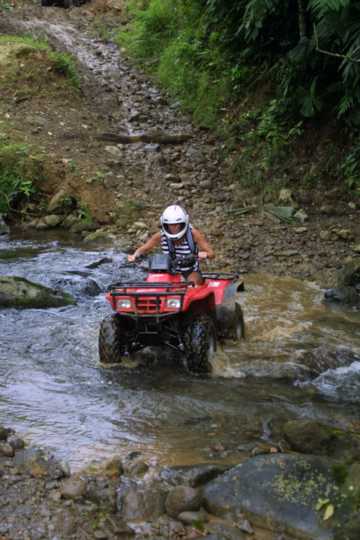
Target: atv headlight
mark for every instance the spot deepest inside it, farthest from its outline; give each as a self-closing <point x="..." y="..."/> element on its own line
<point x="173" y="303"/>
<point x="124" y="303"/>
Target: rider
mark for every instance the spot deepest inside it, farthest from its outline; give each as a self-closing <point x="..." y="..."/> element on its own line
<point x="178" y="238"/>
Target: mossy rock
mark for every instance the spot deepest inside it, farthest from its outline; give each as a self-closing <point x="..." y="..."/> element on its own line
<point x="311" y="437"/>
<point x="17" y="292"/>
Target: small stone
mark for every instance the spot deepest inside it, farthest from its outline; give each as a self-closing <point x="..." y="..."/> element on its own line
<point x="188" y="518"/>
<point x="344" y="234"/>
<point x="73" y="488"/>
<point x="325" y="235"/>
<point x="356" y="248"/>
<point x="52" y="220"/>
<point x="182" y="499"/>
<point x="114" y="151"/>
<point x="300" y="230"/>
<point x="6" y="450"/>
<point x="140" y="225"/>
<point x="178" y="185"/>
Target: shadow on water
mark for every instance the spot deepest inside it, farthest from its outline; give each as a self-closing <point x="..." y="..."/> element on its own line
<point x="53" y="390"/>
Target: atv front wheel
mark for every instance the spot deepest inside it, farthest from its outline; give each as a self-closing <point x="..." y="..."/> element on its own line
<point x="200" y="344"/>
<point x="112" y="341"/>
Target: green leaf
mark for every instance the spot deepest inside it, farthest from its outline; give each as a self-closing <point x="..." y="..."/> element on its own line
<point x="329" y="512"/>
<point x="321" y="503"/>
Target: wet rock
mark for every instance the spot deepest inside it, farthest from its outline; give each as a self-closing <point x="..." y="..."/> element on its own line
<point x="18" y="292"/>
<point x="61" y="201"/>
<point x="4" y="229"/>
<point x="16" y="443"/>
<point x="102" y="492"/>
<point x="52" y="221"/>
<point x="73" y="488"/>
<point x="323" y="358"/>
<point x="100" y="234"/>
<point x="69" y="221"/>
<point x="276" y="492"/>
<point x="140" y="501"/>
<point x="138" y="467"/>
<point x="224" y="531"/>
<point x="188" y="518"/>
<point x="4" y="433"/>
<point x="193" y="476"/>
<point x="100" y="262"/>
<point x="347" y="290"/>
<point x="82" y="226"/>
<point x="310" y="437"/>
<point x="182" y="499"/>
<point x="39" y="465"/>
<point x="91" y="288"/>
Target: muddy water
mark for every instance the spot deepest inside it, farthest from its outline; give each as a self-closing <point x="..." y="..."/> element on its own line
<point x="53" y="391"/>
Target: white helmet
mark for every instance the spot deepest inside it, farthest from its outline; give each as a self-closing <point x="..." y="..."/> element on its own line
<point x="172" y="215"/>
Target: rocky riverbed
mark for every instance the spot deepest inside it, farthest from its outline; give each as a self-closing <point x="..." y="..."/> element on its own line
<point x="274" y="494"/>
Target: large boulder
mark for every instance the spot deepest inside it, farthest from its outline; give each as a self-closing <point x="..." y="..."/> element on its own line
<point x="17" y="292"/>
<point x="278" y="492"/>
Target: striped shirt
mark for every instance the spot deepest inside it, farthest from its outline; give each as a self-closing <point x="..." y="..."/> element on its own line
<point x="182" y="249"/>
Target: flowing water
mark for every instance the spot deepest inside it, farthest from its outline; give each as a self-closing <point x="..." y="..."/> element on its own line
<point x="54" y="392"/>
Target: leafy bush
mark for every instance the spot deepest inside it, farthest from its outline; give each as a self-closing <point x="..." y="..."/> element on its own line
<point x="19" y="171"/>
<point x="64" y="64"/>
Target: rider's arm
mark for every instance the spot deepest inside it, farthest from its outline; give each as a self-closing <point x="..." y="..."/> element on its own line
<point x="203" y="245"/>
<point x="148" y="246"/>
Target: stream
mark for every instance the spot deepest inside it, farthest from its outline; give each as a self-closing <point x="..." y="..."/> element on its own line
<point x="54" y="392"/>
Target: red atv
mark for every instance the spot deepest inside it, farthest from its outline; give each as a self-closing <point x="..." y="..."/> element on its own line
<point x="166" y="310"/>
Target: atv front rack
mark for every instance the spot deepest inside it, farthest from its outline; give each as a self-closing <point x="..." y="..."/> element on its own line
<point x="170" y="287"/>
<point x="149" y="303"/>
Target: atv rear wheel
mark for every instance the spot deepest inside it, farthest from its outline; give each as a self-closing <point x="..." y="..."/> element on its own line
<point x="112" y="341"/>
<point x="200" y="344"/>
<point x="239" y="329"/>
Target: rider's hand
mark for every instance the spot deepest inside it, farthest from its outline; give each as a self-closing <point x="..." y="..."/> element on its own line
<point x="202" y="255"/>
<point x="132" y="258"/>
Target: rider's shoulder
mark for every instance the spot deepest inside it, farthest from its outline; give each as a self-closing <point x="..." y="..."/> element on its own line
<point x="196" y="232"/>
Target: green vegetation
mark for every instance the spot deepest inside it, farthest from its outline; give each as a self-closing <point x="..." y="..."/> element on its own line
<point x="60" y="63"/>
<point x="5" y="5"/>
<point x="262" y="74"/>
<point x="20" y="171"/>
<point x="171" y="38"/>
